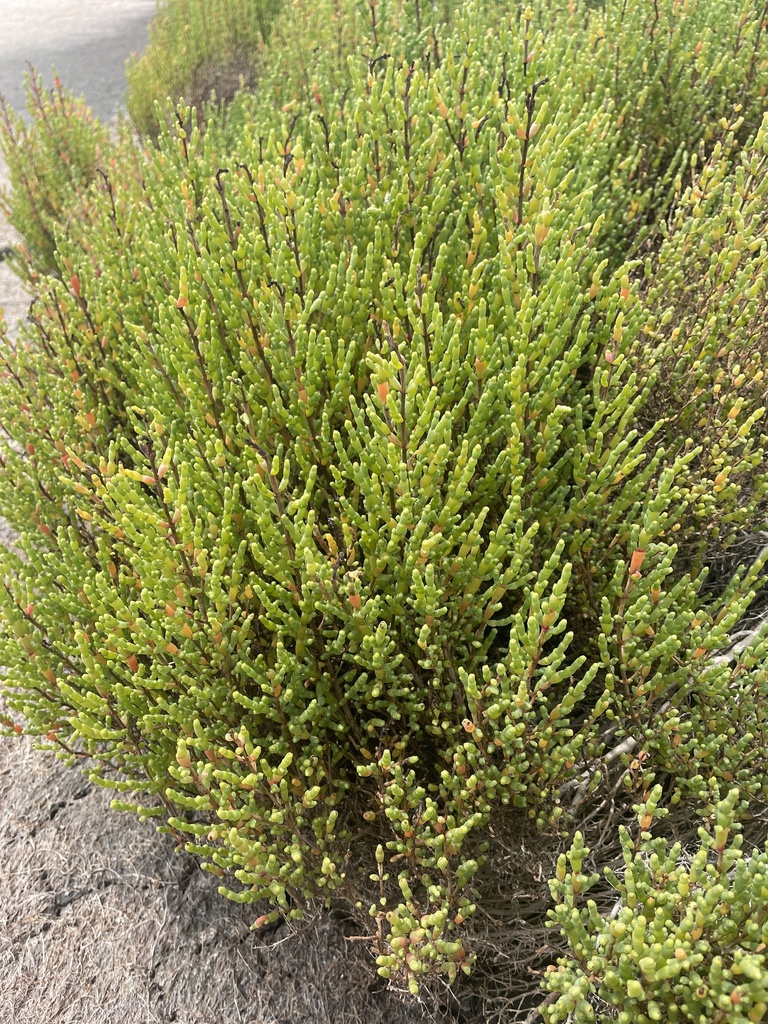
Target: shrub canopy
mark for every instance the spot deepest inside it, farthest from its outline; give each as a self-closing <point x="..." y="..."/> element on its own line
<point x="199" y="50"/>
<point x="366" y="482"/>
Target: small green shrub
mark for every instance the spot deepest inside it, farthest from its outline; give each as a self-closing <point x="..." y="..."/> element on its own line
<point x="354" y="505"/>
<point x="52" y="161"/>
<point x="677" y="74"/>
<point x="670" y="75"/>
<point x="705" y="343"/>
<point x="198" y="49"/>
<point x="685" y="939"/>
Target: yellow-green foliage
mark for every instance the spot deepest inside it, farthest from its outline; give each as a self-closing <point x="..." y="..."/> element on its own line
<point x="667" y="72"/>
<point x="197" y="49"/>
<point x="706" y="339"/>
<point x="684" y="938"/>
<point x="354" y="502"/>
<point x="52" y="160"/>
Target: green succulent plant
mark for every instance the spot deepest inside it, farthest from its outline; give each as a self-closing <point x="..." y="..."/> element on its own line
<point x="366" y="480"/>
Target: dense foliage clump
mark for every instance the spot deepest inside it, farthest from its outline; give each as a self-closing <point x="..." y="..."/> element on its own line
<point x="52" y="159"/>
<point x="199" y="50"/>
<point x="376" y="499"/>
<point x="684" y="939"/>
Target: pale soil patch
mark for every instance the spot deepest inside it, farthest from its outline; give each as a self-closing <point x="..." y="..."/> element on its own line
<point x="55" y="24"/>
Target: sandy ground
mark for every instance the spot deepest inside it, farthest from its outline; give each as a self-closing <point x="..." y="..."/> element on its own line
<point x="102" y="923"/>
